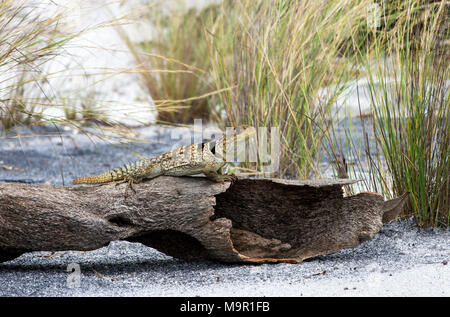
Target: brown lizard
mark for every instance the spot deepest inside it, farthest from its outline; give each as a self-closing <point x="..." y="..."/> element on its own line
<point x="207" y="158"/>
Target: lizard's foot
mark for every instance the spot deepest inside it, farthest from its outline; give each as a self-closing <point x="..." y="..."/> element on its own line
<point x="130" y="181"/>
<point x="121" y="182"/>
<point x="219" y="178"/>
<point x="229" y="178"/>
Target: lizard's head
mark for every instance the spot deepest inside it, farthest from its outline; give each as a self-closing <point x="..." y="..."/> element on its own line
<point x="234" y="139"/>
<point x="235" y="135"/>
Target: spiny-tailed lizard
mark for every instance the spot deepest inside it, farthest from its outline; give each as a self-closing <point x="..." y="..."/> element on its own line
<point x="207" y="158"/>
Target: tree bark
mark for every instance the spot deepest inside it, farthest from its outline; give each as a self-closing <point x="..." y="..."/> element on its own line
<point x="252" y="220"/>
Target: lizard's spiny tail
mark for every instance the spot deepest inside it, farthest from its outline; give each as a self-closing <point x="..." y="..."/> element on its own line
<point x="96" y="179"/>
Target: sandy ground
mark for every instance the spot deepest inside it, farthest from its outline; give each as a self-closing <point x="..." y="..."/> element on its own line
<point x="399" y="261"/>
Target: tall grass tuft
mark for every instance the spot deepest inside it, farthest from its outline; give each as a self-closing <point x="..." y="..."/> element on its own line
<point x="276" y="56"/>
<point x="409" y="79"/>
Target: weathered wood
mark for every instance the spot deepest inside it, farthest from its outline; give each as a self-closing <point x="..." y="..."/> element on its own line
<point x="193" y="218"/>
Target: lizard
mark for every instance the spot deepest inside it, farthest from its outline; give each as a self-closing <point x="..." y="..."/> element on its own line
<point x="207" y="158"/>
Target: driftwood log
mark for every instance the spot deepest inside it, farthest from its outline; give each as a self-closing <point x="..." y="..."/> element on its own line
<point x="193" y="218"/>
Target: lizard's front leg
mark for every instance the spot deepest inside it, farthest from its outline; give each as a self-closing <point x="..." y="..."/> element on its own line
<point x="220" y="178"/>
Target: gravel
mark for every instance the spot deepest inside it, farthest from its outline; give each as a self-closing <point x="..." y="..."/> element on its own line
<point x="398" y="261"/>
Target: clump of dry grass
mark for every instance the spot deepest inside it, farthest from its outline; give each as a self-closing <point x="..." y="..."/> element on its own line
<point x="27" y="41"/>
<point x="174" y="63"/>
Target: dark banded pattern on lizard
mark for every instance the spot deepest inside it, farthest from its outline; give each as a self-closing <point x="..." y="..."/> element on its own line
<point x="206" y="158"/>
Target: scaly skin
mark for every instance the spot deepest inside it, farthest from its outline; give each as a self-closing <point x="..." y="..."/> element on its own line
<point x="187" y="160"/>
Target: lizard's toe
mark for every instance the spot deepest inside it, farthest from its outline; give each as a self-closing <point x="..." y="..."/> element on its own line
<point x="230" y="178"/>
